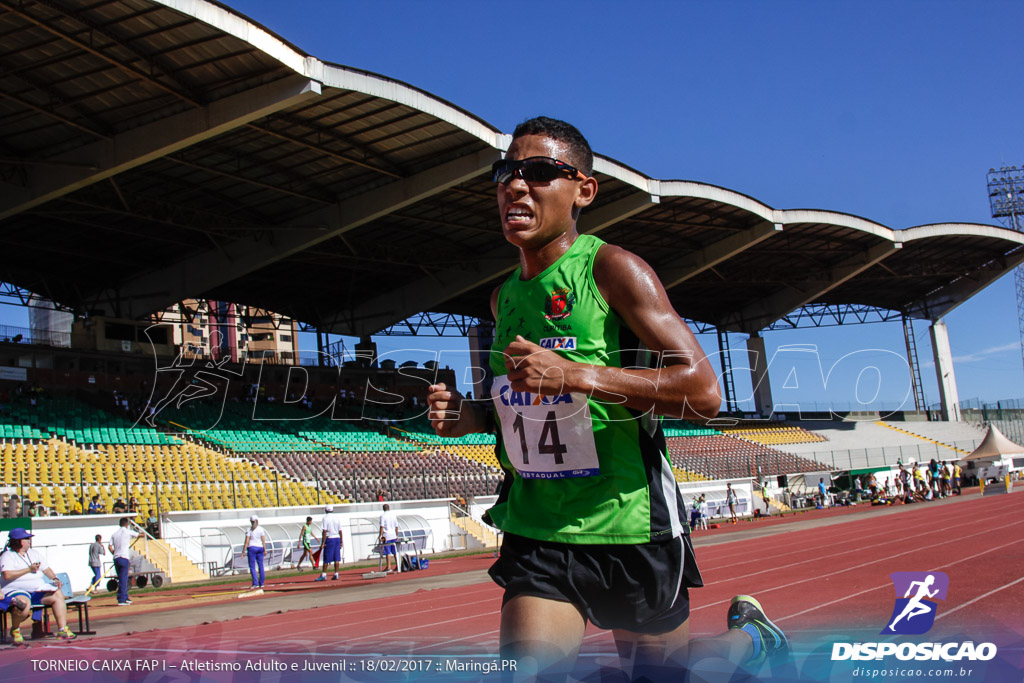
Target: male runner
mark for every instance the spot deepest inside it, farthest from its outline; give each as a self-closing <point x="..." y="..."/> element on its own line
<point x="730" y="500"/>
<point x="306" y="539"/>
<point x="588" y="487"/>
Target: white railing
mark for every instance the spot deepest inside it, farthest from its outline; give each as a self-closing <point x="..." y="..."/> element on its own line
<point x="182" y="542"/>
<point x="475" y="512"/>
<point x="150" y="548"/>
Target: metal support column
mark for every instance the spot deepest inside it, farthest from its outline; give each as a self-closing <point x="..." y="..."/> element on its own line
<point x="944" y="372"/>
<point x="759" y="379"/>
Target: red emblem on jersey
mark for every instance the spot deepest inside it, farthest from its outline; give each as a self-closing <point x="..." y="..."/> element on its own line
<point x="559" y="306"/>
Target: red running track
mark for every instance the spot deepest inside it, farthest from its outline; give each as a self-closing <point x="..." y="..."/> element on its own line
<point x="831" y="579"/>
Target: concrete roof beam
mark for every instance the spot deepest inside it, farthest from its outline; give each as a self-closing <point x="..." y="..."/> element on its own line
<point x="716" y="253"/>
<point x="763" y="312"/>
<point x="106" y="158"/>
<point x="199" y="274"/>
<point x="425" y="293"/>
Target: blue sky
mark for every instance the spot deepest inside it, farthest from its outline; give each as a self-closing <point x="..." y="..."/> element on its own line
<point x="891" y="111"/>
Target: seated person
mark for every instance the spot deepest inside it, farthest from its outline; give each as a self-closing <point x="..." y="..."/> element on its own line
<point x="95" y="506"/>
<point x="120" y="506"/>
<point x="27" y="579"/>
<point x="152" y="525"/>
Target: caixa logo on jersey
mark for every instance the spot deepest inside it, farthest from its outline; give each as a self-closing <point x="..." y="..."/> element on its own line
<point x="916" y="596"/>
<point x="511" y="397"/>
<point x="558" y="343"/>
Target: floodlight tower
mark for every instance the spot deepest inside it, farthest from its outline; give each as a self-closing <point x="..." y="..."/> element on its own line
<point x="1006" y="199"/>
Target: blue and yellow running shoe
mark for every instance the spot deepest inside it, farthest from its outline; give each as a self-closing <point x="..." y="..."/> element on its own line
<point x="746" y="614"/>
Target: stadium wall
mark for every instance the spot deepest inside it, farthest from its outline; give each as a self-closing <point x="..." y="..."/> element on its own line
<point x="64" y="541"/>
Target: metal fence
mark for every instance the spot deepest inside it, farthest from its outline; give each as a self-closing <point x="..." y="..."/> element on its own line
<point x="860" y="458"/>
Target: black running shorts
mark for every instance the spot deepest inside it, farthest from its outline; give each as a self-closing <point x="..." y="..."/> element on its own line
<point x="639" y="588"/>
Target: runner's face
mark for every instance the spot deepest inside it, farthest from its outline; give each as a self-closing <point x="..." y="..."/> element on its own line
<point x="534" y="214"/>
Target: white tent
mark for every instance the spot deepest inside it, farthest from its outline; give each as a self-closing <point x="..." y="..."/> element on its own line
<point x="995" y="451"/>
<point x="994" y="447"/>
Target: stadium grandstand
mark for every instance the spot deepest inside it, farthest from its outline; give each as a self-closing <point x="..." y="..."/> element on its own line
<point x="185" y="185"/>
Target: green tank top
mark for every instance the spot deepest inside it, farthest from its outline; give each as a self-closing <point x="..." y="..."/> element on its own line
<point x="577" y="470"/>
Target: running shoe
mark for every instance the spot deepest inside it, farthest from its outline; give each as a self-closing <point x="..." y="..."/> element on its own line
<point x="123" y="604"/>
<point x="770" y="642"/>
<point x="66" y="634"/>
<point x="334" y="578"/>
<point x="321" y="578"/>
<point x="17" y="637"/>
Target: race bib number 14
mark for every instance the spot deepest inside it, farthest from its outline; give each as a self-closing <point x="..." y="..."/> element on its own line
<point x="546" y="437"/>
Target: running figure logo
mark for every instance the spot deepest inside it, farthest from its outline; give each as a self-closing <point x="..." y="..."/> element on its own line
<point x="915" y="608"/>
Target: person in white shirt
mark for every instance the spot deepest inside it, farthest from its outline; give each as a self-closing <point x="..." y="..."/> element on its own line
<point x="330" y="541"/>
<point x="255" y="548"/>
<point x="26" y="579"/>
<point x="389" y="537"/>
<point x="120" y="547"/>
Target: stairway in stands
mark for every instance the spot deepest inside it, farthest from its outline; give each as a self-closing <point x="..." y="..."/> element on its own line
<point x="484" y="535"/>
<point x="923" y="438"/>
<point x="167" y="559"/>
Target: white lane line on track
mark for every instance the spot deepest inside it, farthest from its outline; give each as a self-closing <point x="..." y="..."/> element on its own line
<point x="835" y="542"/>
<point x="840" y="571"/>
<point x="456" y="640"/>
<point x="857" y="522"/>
<point x="889" y="585"/>
<point x="946" y="613"/>
<point x="847" y="552"/>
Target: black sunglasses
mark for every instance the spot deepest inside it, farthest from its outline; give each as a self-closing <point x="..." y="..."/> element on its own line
<point x="533" y="170"/>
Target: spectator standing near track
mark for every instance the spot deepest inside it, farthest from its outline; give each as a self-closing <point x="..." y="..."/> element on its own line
<point x="589" y="506"/>
<point x="306" y="539"/>
<point x="255" y="550"/>
<point x="822" y="494"/>
<point x="933" y="478"/>
<point x="27" y="579"/>
<point x="330" y="540"/>
<point x="919" y="484"/>
<point x="694" y="512"/>
<point x="730" y="500"/>
<point x="96" y="551"/>
<point x="957" y="473"/>
<point x="120" y="547"/>
<point x="388" y="537"/>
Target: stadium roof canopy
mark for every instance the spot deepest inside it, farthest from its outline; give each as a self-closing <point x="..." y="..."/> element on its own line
<point x="157" y="151"/>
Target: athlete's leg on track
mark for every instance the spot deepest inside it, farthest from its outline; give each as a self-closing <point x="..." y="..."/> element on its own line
<point x="541" y="635"/>
<point x="641" y="652"/>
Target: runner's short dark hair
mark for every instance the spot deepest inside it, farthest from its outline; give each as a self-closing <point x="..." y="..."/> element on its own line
<point x="580" y="154"/>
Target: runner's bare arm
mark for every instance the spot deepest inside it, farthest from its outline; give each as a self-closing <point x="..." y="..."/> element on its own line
<point x="685" y="385"/>
<point x="449" y="415"/>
